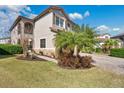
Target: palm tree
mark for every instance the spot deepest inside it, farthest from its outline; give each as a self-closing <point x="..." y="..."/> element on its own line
<point x="110" y="43"/>
<point x="115" y="43"/>
<point x="89" y="33"/>
<point x="69" y="40"/>
<point x="76" y="40"/>
<point x="68" y="45"/>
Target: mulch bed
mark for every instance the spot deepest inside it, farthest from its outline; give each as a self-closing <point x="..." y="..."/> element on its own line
<point x="70" y="68"/>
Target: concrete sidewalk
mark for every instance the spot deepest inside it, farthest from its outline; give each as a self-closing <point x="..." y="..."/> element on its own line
<point x="46" y="58"/>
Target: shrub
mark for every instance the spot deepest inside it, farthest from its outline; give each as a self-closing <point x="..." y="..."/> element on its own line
<point x="67" y="60"/>
<point x="41" y="52"/>
<point x="8" y="49"/>
<point x="117" y="52"/>
<point x="86" y="61"/>
<point x="98" y="50"/>
<point x="87" y="50"/>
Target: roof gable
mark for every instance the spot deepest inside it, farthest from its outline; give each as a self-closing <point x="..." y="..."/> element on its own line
<point x="52" y="9"/>
<point x="24" y="19"/>
<point x="48" y="10"/>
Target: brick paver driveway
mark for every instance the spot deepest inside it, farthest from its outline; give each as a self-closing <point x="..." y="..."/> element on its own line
<point x="108" y="63"/>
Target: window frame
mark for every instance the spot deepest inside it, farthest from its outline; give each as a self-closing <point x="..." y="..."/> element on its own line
<point x="19" y="28"/>
<point x="58" y="21"/>
<point x="61" y="21"/>
<point x="28" y="28"/>
<point x="43" y="43"/>
<point x="19" y="41"/>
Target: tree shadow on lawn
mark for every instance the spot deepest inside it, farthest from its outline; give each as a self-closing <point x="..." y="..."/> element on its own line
<point x="6" y="56"/>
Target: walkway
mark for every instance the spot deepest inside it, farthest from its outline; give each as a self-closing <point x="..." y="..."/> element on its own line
<point x="46" y="58"/>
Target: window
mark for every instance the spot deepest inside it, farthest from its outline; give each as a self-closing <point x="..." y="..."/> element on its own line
<point x="30" y="45"/>
<point x="19" y="28"/>
<point x="57" y="21"/>
<point x="28" y="28"/>
<point x="68" y="25"/>
<point x="106" y="36"/>
<point x="18" y="41"/>
<point x="42" y="43"/>
<point x="61" y="22"/>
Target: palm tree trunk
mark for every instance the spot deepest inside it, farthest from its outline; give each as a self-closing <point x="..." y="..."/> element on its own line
<point x="75" y="50"/>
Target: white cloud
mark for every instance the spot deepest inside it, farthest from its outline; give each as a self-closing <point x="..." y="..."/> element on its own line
<point x="32" y="16"/>
<point x="9" y="13"/>
<point x="86" y="14"/>
<point x="75" y="16"/>
<point x="116" y="29"/>
<point x="107" y="29"/>
<point x="102" y="28"/>
<point x="3" y="15"/>
<point x="28" y="9"/>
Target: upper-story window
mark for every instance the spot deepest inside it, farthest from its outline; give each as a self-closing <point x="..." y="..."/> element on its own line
<point x="59" y="21"/>
<point x="68" y="26"/>
<point x="19" y="28"/>
<point x="28" y="28"/>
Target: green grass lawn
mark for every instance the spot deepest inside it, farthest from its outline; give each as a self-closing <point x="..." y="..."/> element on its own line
<point x="20" y="73"/>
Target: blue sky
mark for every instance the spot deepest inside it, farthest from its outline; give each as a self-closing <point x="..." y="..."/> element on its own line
<point x="106" y="19"/>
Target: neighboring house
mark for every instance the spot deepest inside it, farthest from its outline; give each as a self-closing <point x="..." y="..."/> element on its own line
<point x="120" y="37"/>
<point x="102" y="38"/>
<point x="40" y="31"/>
<point x="5" y="40"/>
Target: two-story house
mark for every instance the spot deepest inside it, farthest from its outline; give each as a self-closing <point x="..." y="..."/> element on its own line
<point x="40" y="31"/>
<point x="102" y="38"/>
<point x="5" y="40"/>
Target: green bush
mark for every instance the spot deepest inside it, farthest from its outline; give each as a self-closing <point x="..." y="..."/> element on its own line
<point x="87" y="50"/>
<point x="8" y="49"/>
<point x="117" y="52"/>
<point x="98" y="50"/>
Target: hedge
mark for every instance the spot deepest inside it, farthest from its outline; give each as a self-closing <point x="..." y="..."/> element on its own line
<point x="8" y="49"/>
<point x="117" y="52"/>
<point x="98" y="50"/>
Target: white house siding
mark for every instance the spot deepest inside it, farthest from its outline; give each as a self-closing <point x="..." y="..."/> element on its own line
<point x="42" y="31"/>
<point x="14" y="33"/>
<point x="4" y="41"/>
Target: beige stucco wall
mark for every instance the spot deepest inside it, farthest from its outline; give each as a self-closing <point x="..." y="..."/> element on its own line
<point x="42" y="31"/>
<point x="14" y="33"/>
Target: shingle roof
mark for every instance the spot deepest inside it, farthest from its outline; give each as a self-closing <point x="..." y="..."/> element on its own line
<point x="4" y="38"/>
<point x="18" y="19"/>
<point x="48" y="10"/>
<point x="117" y="36"/>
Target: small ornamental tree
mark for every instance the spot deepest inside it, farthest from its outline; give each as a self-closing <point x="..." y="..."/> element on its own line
<point x="109" y="44"/>
<point x="24" y="44"/>
<point x="68" y="45"/>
